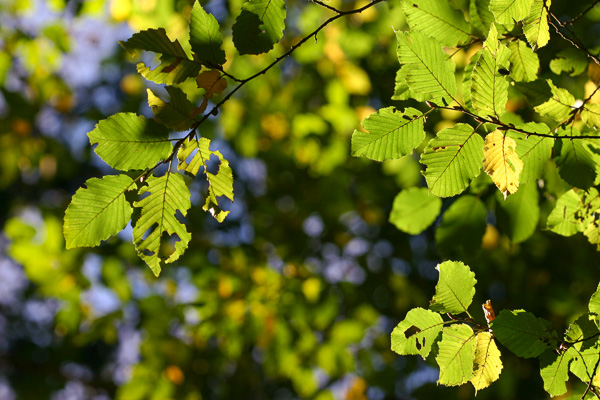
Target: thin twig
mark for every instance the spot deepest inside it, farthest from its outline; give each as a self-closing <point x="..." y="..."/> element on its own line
<point x="589" y="386"/>
<point x="583" y="13"/>
<point x="327" y="6"/>
<point x="574" y="40"/>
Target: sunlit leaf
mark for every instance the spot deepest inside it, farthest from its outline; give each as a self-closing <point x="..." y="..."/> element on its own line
<point x="481" y="16"/>
<point x="524" y="63"/>
<point x="259" y="26"/>
<point x="401" y="89"/>
<point x="594" y="305"/>
<point x="534" y="151"/>
<point x="430" y="71"/>
<point x="195" y="154"/>
<point x="414" y="210"/>
<point x="167" y="196"/>
<point x="555" y="370"/>
<point x="523" y="333"/>
<point x="559" y="106"/>
<point x="535" y="26"/>
<point x="417" y="332"/>
<point x="455" y="288"/>
<point x="205" y="36"/>
<point x="453" y="158"/>
<point x="456" y="355"/>
<point x="128" y="141"/>
<point x="487" y="364"/>
<point x="502" y="162"/>
<point x="571" y="60"/>
<point x="437" y="19"/>
<point x="584" y="332"/>
<point x="177" y="114"/>
<point x="591" y="115"/>
<point x="175" y="66"/>
<point x="583" y="364"/>
<point x="98" y="211"/>
<point x="574" y="211"/>
<point x="391" y="134"/>
<point x="489" y="87"/>
<point x="510" y="11"/>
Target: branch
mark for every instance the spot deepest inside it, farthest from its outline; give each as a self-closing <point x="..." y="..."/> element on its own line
<point x="583" y="13"/>
<point x="589" y="386"/>
<point x="574" y="40"/>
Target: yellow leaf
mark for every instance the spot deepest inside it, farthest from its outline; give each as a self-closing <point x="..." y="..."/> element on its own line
<point x="501" y="162"/>
<point x="487" y="364"/>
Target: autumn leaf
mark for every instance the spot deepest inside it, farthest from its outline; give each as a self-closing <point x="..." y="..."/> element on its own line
<point x="213" y="83"/>
<point x="501" y="162"/>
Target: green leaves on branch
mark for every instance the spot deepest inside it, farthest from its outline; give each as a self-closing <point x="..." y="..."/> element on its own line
<point x="259" y="26"/>
<point x="437" y="19"/>
<point x="466" y="346"/>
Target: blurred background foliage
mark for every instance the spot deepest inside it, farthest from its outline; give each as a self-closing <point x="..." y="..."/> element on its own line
<point x="295" y="295"/>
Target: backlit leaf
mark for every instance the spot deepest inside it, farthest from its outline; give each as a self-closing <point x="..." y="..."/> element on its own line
<point x="167" y="195"/>
<point x="489" y="87"/>
<point x="98" y="211"/>
<point x="487" y="364"/>
<point x="453" y="158"/>
<point x="195" y="154"/>
<point x="574" y="211"/>
<point x="583" y="365"/>
<point x="430" y="71"/>
<point x="555" y="370"/>
<point x="175" y="66"/>
<point x="559" y="106"/>
<point x="128" y="141"/>
<point x="583" y="332"/>
<point x="456" y="355"/>
<point x="259" y="26"/>
<point x="510" y="11"/>
<point x="481" y="16"/>
<point x="213" y="83"/>
<point x="414" y="210"/>
<point x="594" y="305"/>
<point x="535" y="26"/>
<point x="524" y="63"/>
<point x="455" y="288"/>
<point x="571" y="61"/>
<point x="534" y="151"/>
<point x="401" y="89"/>
<point x="523" y="333"/>
<point x="437" y="19"/>
<point x="417" y="332"/>
<point x="205" y="37"/>
<point x="391" y="134"/>
<point x="591" y="115"/>
<point x="501" y="162"/>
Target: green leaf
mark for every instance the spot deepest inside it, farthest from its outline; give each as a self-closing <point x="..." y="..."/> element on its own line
<point x="175" y="66"/>
<point x="583" y="364"/>
<point x="518" y="215"/>
<point x="574" y="211"/>
<point x="437" y="19"/>
<point x="455" y="288"/>
<point x="487" y="364"/>
<point x="534" y="151"/>
<point x="524" y="63"/>
<point x="453" y="158"/>
<point x="510" y="11"/>
<point x="429" y="70"/>
<point x="391" y="134"/>
<point x="456" y="355"/>
<point x="205" y="37"/>
<point x="481" y="16"/>
<point x="535" y="26"/>
<point x="559" y="106"/>
<point x="168" y="194"/>
<point x="466" y="84"/>
<point x="522" y="333"/>
<point x="401" y="89"/>
<point x="594" y="305"/>
<point x="417" y="332"/>
<point x="572" y="61"/>
<point x="177" y="114"/>
<point x="259" y="26"/>
<point x="489" y="87"/>
<point x="414" y="210"/>
<point x="194" y="154"/>
<point x="462" y="227"/>
<point x="575" y="161"/>
<point x="128" y="141"/>
<point x="98" y="212"/>
<point x="555" y="371"/>
<point x="591" y="115"/>
<point x="583" y="333"/>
